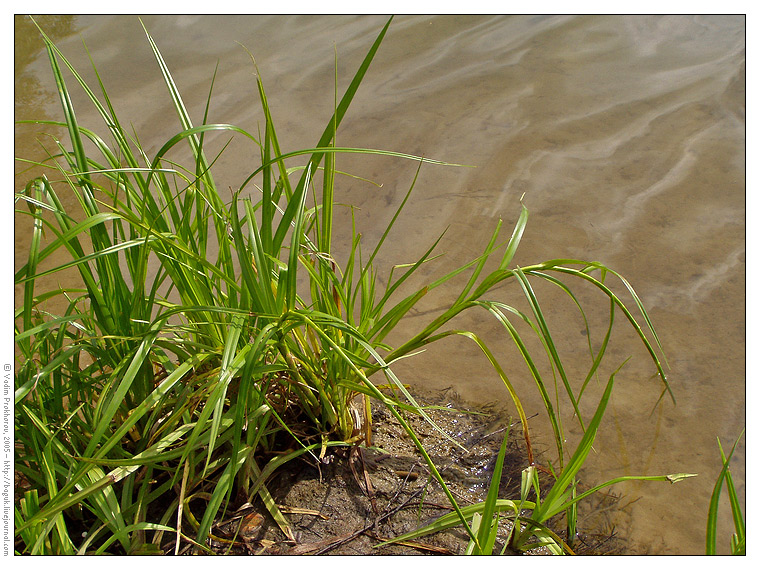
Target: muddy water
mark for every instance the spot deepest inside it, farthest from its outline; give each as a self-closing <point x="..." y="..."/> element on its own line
<point x="625" y="135"/>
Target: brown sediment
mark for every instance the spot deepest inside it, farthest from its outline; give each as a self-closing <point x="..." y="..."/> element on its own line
<point x="360" y="497"/>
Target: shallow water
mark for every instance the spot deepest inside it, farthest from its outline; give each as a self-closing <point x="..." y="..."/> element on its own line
<point x="625" y="134"/>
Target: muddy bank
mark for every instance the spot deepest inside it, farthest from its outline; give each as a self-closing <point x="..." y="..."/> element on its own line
<point x="361" y="497"/>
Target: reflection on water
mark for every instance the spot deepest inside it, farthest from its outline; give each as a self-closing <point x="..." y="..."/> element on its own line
<point x="29" y="94"/>
<point x="625" y="133"/>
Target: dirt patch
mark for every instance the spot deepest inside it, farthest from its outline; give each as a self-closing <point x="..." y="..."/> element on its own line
<point x="360" y="497"/>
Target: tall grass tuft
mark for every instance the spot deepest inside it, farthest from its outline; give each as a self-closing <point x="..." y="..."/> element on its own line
<point x="191" y="355"/>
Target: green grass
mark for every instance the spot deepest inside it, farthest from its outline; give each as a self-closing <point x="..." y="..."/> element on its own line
<point x="209" y="334"/>
<point x="528" y="519"/>
<point x="738" y="541"/>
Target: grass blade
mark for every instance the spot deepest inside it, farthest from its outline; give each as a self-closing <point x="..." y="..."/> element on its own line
<point x="712" y="514"/>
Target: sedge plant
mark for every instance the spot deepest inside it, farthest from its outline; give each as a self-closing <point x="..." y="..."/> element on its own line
<point x="187" y="351"/>
<point x="160" y="390"/>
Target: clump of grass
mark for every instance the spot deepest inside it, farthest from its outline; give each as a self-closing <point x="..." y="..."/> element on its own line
<point x="165" y="387"/>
